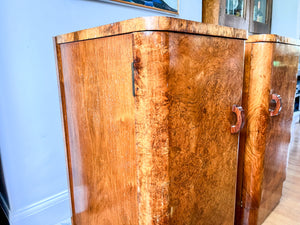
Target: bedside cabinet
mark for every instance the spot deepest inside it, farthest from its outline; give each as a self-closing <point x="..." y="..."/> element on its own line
<point x="271" y="65"/>
<point x="151" y="119"/>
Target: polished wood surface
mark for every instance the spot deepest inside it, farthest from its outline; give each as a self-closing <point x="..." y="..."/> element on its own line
<point x="269" y="68"/>
<point x="151" y="68"/>
<point x="272" y="38"/>
<point x="147" y="120"/>
<point x="206" y="75"/>
<point x="210" y="11"/>
<point x="99" y="119"/>
<point x="187" y="156"/>
<point x="151" y="24"/>
<point x="288" y="210"/>
<point x="256" y="99"/>
<point x="283" y="82"/>
<point x="65" y="130"/>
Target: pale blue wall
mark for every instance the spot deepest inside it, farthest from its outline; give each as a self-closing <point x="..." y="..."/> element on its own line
<point x="286" y="18"/>
<point x="31" y="139"/>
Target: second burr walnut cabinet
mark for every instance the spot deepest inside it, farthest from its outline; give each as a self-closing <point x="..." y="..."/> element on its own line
<point x="148" y="117"/>
<point x="271" y="64"/>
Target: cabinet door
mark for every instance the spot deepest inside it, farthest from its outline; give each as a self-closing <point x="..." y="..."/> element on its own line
<point x="98" y="111"/>
<point x="185" y="88"/>
<point x="205" y="80"/>
<point x="283" y="83"/>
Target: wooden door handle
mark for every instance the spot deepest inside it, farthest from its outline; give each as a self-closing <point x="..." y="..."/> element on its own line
<point x="240" y="119"/>
<point x="278" y="107"/>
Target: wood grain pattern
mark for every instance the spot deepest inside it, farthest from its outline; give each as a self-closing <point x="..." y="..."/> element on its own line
<point x="283" y="81"/>
<point x="272" y="38"/>
<point x="184" y="155"/>
<point x="151" y="24"/>
<point x="204" y="78"/>
<point x="258" y="69"/>
<point x="65" y="130"/>
<point x="99" y="113"/>
<point x="288" y="210"/>
<point x="269" y="68"/>
<point x="167" y="155"/>
<point x="210" y="11"/>
<point x="151" y="64"/>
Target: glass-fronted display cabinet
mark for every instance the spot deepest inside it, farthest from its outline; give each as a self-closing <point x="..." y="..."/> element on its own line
<point x="235" y="7"/>
<point x="259" y="11"/>
<point x="234" y="13"/>
<point x="260" y="16"/>
<point x="251" y="15"/>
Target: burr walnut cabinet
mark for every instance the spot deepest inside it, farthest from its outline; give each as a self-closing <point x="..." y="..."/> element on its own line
<point x="271" y="64"/>
<point x="151" y="120"/>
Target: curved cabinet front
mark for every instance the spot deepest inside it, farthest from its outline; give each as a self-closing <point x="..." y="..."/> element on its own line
<point x="147" y="120"/>
<point x="268" y="96"/>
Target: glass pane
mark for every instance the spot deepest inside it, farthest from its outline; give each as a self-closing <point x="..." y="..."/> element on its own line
<point x="235" y="7"/>
<point x="259" y="12"/>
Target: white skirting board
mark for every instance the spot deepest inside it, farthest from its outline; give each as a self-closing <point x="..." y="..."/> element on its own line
<point x="65" y="222"/>
<point x="49" y="211"/>
<point x="3" y="205"/>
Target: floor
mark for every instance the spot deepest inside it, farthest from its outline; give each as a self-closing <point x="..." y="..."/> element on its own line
<point x="288" y="210"/>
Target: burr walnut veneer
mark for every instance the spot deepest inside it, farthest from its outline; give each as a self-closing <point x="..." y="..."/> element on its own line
<point x="148" y="117"/>
<point x="271" y="64"/>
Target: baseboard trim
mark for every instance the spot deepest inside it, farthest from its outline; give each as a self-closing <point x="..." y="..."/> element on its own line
<point x="47" y="208"/>
<point x="65" y="222"/>
<point x="4" y="206"/>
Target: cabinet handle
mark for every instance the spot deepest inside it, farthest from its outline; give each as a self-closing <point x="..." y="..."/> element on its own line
<point x="278" y="106"/>
<point x="240" y="119"/>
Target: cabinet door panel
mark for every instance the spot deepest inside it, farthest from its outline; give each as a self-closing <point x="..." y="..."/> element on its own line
<point x="205" y="80"/>
<point x="98" y="105"/>
<point x="283" y="83"/>
<point x="185" y="88"/>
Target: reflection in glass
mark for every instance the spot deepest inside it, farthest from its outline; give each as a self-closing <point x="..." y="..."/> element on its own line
<point x="235" y="7"/>
<point x="259" y="12"/>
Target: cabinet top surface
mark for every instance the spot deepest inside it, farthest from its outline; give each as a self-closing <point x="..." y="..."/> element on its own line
<point x="272" y="38"/>
<point x="156" y="23"/>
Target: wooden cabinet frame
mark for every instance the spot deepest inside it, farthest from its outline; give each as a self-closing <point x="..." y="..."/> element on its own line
<point x="145" y="141"/>
<point x="265" y="138"/>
